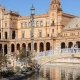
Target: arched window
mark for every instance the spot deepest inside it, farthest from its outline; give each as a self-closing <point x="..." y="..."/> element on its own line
<point x="62" y="45"/>
<point x="5" y="35"/>
<point x="41" y="47"/>
<point x="47" y="46"/>
<point x="12" y="47"/>
<point x="13" y="34"/>
<point x="52" y="24"/>
<point x="70" y="44"/>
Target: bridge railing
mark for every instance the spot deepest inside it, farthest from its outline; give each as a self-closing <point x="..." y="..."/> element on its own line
<point x="58" y="51"/>
<point x="70" y="50"/>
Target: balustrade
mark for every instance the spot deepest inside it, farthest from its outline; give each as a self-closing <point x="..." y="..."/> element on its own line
<point x="59" y="51"/>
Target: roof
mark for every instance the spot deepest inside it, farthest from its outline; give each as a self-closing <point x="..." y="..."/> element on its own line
<point x="73" y="24"/>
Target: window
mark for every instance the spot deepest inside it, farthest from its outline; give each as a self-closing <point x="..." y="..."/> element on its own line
<point x="23" y="34"/>
<point x="37" y="23"/>
<point x="5" y="24"/>
<point x="25" y="24"/>
<point x="21" y="25"/>
<point x="5" y="35"/>
<point x="47" y="23"/>
<point x="41" y="23"/>
<point x="13" y="35"/>
<point x="52" y="24"/>
<point x="47" y="35"/>
<point x="40" y="33"/>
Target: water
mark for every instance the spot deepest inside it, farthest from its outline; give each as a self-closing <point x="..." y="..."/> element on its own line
<point x="66" y="72"/>
<point x="36" y="77"/>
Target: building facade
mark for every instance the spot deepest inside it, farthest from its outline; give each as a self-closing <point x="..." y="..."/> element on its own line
<point x="50" y="30"/>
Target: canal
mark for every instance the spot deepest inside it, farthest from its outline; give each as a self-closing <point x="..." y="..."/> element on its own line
<point x="57" y="73"/>
<point x="36" y="77"/>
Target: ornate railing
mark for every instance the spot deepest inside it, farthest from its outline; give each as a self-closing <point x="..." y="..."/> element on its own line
<point x="58" y="51"/>
<point x="70" y="50"/>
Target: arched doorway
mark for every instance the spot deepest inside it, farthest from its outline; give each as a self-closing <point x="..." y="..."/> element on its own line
<point x="47" y="46"/>
<point x="12" y="47"/>
<point x="18" y="46"/>
<point x="29" y="46"/>
<point x="35" y="46"/>
<point x="62" y="45"/>
<point x="70" y="44"/>
<point x="0" y="47"/>
<point x="5" y="49"/>
<point x="78" y="44"/>
<point x="41" y="47"/>
<point x="24" y="45"/>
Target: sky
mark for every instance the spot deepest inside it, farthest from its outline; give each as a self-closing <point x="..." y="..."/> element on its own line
<point x="41" y="6"/>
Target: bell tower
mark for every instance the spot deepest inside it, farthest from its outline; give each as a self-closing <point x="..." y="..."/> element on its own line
<point x="55" y="5"/>
<point x="55" y="14"/>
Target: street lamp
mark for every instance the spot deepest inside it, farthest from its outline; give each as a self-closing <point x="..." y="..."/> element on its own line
<point x="32" y="27"/>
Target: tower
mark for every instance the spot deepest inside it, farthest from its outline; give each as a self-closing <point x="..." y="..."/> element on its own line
<point x="55" y="14"/>
<point x="55" y="5"/>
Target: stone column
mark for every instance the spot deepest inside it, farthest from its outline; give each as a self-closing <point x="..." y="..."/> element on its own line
<point x="44" y="46"/>
<point x="38" y="48"/>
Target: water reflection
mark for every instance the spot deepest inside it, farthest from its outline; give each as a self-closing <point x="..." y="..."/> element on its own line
<point x="57" y="73"/>
<point x="61" y="73"/>
<point x="36" y="77"/>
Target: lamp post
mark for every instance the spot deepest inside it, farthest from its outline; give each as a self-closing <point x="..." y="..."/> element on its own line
<point x="32" y="28"/>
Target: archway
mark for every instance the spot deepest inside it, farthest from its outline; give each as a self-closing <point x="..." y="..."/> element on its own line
<point x="24" y="45"/>
<point x="29" y="46"/>
<point x="18" y="46"/>
<point x="35" y="46"/>
<point x="70" y="44"/>
<point x="0" y="47"/>
<point x="5" y="49"/>
<point x="41" y="47"/>
<point x="62" y="45"/>
<point x="78" y="44"/>
<point x="47" y="46"/>
<point x="12" y="47"/>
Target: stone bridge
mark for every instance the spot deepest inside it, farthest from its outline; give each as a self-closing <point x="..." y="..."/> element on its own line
<point x="58" y="56"/>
